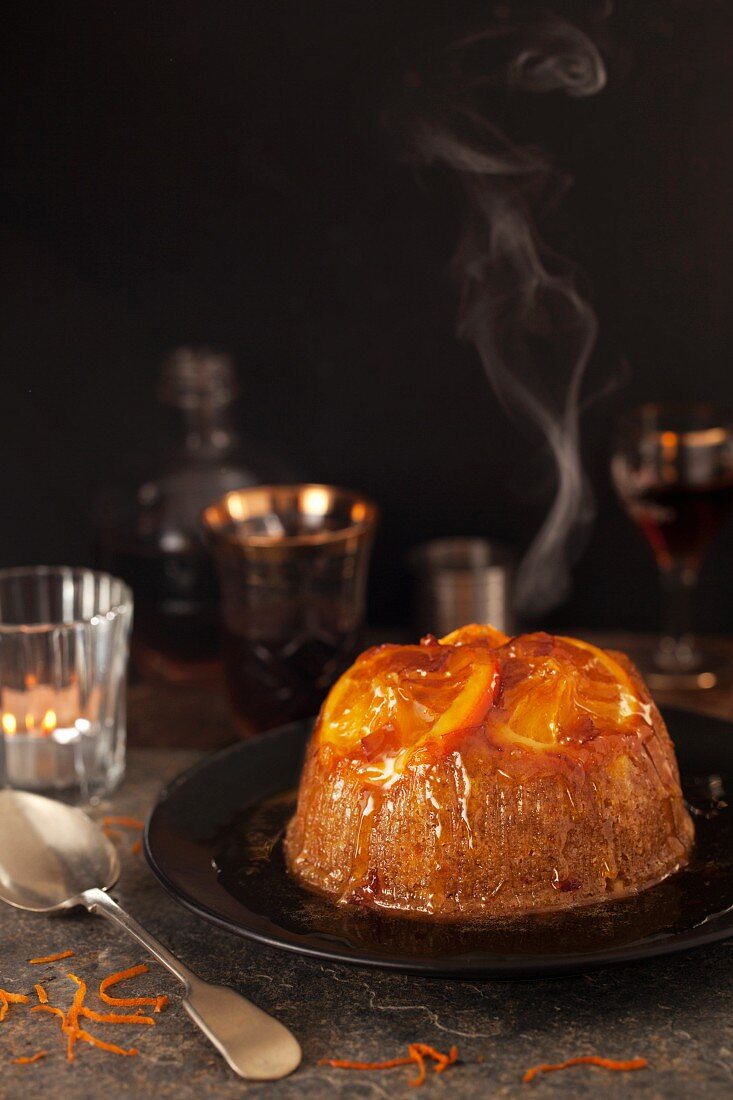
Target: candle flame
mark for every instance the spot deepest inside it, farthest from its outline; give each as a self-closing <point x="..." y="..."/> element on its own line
<point x="48" y="722"/>
<point x="9" y="724"/>
<point x="29" y="723"/>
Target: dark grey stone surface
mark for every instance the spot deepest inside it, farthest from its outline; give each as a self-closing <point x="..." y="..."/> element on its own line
<point x="676" y="1012"/>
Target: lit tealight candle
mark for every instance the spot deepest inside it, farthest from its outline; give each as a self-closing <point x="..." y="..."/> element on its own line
<point x="44" y="730"/>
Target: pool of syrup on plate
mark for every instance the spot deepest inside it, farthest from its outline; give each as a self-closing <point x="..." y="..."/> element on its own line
<point x="251" y="867"/>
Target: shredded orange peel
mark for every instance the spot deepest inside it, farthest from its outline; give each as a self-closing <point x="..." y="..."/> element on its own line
<point x="115" y="1017"/>
<point x="123" y="821"/>
<point x="129" y="1002"/>
<point x="586" y="1060"/>
<point x="27" y="1059"/>
<point x="416" y="1055"/>
<point x="70" y="1026"/>
<point x="52" y="958"/>
<point x="7" y="999"/>
<point x="70" y="1020"/>
<point x="111" y="1048"/>
<point x="52" y="1009"/>
<point x="112" y="823"/>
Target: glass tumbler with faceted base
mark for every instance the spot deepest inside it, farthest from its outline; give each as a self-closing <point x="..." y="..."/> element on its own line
<point x="292" y="563"/>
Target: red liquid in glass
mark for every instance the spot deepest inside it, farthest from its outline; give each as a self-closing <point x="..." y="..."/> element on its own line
<point x="680" y="521"/>
<point x="277" y="679"/>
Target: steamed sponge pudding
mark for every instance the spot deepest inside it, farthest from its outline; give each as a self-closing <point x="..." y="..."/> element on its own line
<point x="481" y="775"/>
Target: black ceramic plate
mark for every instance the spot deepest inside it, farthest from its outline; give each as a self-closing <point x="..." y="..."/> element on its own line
<point x="213" y="840"/>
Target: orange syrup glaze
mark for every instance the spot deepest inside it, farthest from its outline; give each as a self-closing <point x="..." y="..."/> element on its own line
<point x="528" y="698"/>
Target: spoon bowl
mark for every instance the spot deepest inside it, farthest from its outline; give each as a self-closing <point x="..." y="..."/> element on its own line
<point x="50" y="853"/>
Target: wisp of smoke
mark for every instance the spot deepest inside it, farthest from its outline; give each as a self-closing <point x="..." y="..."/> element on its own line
<point x="520" y="306"/>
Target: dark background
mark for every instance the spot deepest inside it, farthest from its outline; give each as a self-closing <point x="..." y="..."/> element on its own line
<point x="220" y="172"/>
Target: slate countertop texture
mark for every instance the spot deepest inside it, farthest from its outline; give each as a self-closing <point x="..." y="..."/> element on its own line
<point x="674" y="1012"/>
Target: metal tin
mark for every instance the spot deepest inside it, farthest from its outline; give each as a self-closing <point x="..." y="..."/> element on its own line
<point x="462" y="580"/>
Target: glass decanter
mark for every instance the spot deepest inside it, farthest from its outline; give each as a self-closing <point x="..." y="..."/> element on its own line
<point x="150" y="534"/>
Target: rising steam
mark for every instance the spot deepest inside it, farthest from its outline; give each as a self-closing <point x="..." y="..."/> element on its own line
<point x="520" y="306"/>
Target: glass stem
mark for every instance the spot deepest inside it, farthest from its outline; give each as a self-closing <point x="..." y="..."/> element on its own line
<point x="679" y="589"/>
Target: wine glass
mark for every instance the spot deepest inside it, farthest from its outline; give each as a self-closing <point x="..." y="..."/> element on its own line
<point x="672" y="466"/>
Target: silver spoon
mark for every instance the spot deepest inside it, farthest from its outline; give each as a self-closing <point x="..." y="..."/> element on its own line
<point x="53" y="857"/>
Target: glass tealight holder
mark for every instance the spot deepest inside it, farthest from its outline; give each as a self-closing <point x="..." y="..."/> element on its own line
<point x="64" y="636"/>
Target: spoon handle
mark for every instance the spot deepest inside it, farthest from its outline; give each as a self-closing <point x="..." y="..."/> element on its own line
<point x="99" y="902"/>
<point x="255" y="1045"/>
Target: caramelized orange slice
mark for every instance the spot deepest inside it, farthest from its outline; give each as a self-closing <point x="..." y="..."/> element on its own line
<point x="560" y="689"/>
<point x="612" y="667"/>
<point x="476" y="634"/>
<point x="395" y="699"/>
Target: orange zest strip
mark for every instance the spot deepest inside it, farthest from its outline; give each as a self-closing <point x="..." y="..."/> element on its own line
<point x="417" y="1053"/>
<point x="587" y="1060"/>
<point x="7" y="998"/>
<point x="421" y="1051"/>
<point x="70" y="1020"/>
<point x="113" y="833"/>
<point x="129" y="1002"/>
<point x="14" y="998"/>
<point x="71" y="1023"/>
<point x="112" y="1048"/>
<point x="114" y="1017"/>
<point x="52" y="1010"/>
<point x="53" y="958"/>
<point x="442" y="1060"/>
<point x="339" y="1063"/>
<point x="417" y="1056"/>
<point x="124" y="822"/>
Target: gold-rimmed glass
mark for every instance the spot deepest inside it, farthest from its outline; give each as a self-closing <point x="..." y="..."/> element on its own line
<point x="292" y="563"/>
